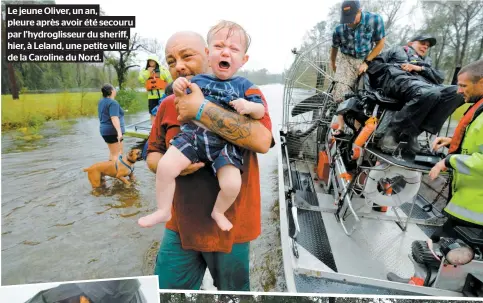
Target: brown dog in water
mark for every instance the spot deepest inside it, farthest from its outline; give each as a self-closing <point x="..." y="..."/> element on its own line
<point x="120" y="169"/>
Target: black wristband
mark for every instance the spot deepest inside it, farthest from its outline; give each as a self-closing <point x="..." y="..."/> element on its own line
<point x="446" y="162"/>
<point x="367" y="61"/>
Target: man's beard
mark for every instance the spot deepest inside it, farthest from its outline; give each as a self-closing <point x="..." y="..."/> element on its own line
<point x="474" y="99"/>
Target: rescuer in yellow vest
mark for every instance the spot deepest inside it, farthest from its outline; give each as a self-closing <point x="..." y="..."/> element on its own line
<point x="465" y="155"/>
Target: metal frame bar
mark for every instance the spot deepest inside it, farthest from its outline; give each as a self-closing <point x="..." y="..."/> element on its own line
<point x="291" y="189"/>
<point x="134" y="124"/>
<point x="284" y="237"/>
<point x="135" y="127"/>
<point x="345" y="278"/>
<point x="427" y="222"/>
<point x="337" y="168"/>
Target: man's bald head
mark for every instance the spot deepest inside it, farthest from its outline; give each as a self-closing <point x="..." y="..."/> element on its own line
<point x="194" y="39"/>
<point x="186" y="54"/>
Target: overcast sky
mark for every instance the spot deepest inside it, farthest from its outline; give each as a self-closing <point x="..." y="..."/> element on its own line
<point x="274" y="26"/>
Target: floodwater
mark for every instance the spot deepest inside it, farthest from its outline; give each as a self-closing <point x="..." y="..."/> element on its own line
<point x="55" y="228"/>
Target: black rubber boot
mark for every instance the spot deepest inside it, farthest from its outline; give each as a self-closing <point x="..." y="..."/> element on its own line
<point x="414" y="146"/>
<point x="389" y="142"/>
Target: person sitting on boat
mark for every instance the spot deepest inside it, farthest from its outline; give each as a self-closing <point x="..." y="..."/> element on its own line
<point x="406" y="73"/>
<point x="360" y="38"/>
<point x="465" y="156"/>
<point x="196" y="143"/>
<point x="155" y="77"/>
<point x="192" y="240"/>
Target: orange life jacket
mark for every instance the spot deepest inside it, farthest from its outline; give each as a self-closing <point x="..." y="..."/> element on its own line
<point x="154" y="83"/>
<point x="460" y="130"/>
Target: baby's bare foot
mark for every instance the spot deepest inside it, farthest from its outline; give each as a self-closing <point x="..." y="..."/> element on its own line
<point x="157" y="217"/>
<point x="222" y="221"/>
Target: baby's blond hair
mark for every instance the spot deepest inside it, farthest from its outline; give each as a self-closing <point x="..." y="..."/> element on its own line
<point x="232" y="26"/>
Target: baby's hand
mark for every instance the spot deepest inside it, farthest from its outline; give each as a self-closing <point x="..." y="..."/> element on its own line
<point x="180" y="85"/>
<point x="242" y="106"/>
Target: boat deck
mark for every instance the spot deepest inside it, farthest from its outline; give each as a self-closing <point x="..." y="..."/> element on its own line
<point x="356" y="264"/>
<point x="139" y="130"/>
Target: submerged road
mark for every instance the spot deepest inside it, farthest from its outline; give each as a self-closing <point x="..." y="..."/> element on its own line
<point x="55" y="228"/>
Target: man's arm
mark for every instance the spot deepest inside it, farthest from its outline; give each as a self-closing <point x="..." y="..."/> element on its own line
<point x="469" y="164"/>
<point x="335" y="48"/>
<point x="461" y="163"/>
<point x="333" y="56"/>
<point x="385" y="59"/>
<point x="237" y="129"/>
<point x="153" y="158"/>
<point x="254" y="135"/>
<point x="425" y="70"/>
<point x="378" y="36"/>
<point x="466" y="164"/>
<point x="160" y="135"/>
<point x="432" y="74"/>
<point x="376" y="50"/>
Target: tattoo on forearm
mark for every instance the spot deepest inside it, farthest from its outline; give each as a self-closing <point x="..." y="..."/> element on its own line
<point x="230" y="125"/>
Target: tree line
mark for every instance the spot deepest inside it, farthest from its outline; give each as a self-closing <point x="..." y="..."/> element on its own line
<point x="457" y="25"/>
<point x="119" y="68"/>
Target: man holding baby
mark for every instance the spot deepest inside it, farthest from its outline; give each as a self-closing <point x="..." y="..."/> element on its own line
<point x="192" y="239"/>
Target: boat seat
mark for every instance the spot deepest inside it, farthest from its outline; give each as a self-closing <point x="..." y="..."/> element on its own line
<point x="472" y="236"/>
<point x="406" y="161"/>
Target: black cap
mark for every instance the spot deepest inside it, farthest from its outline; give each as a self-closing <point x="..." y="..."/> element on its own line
<point x="424" y="37"/>
<point x="349" y="11"/>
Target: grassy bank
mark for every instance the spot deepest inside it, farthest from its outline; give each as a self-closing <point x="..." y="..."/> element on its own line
<point x="32" y="110"/>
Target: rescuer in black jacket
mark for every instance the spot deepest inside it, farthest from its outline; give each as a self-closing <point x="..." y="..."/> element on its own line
<point x="405" y="73"/>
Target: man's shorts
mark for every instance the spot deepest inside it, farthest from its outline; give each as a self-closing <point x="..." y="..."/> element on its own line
<point x="152" y="103"/>
<point x="201" y="145"/>
<point x="178" y="268"/>
<point x="345" y="75"/>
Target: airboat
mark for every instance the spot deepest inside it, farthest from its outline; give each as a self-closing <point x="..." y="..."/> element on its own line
<point x="353" y="219"/>
<point x="139" y="129"/>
